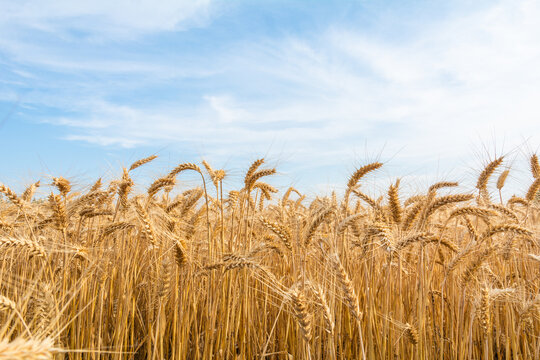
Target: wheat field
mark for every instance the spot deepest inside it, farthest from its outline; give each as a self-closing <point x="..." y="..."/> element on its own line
<point x="213" y="273"/>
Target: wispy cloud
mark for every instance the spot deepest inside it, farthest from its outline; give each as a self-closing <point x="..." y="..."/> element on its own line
<point x="122" y="17"/>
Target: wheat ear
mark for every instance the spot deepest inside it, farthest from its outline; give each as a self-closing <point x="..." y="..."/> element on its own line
<point x="394" y="203"/>
<point x="27" y="349"/>
<point x="487" y="172"/>
<point x="141" y="162"/>
<point x="351" y="299"/>
<point x="535" y="166"/>
<point x="301" y="313"/>
<point x="10" y="194"/>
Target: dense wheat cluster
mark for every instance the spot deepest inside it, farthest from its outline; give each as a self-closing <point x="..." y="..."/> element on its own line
<point x="176" y="273"/>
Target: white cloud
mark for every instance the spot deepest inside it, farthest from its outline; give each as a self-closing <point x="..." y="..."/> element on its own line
<point x="112" y="17"/>
<point x="225" y="109"/>
<point x="465" y="77"/>
<point x="80" y="36"/>
<point x="104" y="140"/>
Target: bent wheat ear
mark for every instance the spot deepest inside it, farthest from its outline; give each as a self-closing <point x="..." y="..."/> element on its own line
<point x="505" y="211"/>
<point x="348" y="221"/>
<point x="361" y="172"/>
<point x="113" y="227"/>
<point x="63" y="185"/>
<point x="266" y="189"/>
<point x="413" y="200"/>
<point x="190" y="201"/>
<point x="458" y="259"/>
<point x="215" y="175"/>
<point x="414" y="238"/>
<point x="411" y="334"/>
<point x="6" y="304"/>
<point x="160" y="184"/>
<point x="209" y="169"/>
<point x="511" y="228"/>
<point x="445" y="200"/>
<point x="351" y="299"/>
<point x="412" y="215"/>
<point x="141" y="162"/>
<point x="21" y="349"/>
<point x="517" y="200"/>
<point x="323" y="304"/>
<point x="148" y="228"/>
<point x="371" y="202"/>
<point x="472" y="210"/>
<point x="535" y="257"/>
<point x="254" y="166"/>
<point x="281" y="231"/>
<point x="28" y="193"/>
<point x="256" y="176"/>
<point x="487" y="172"/>
<point x="476" y="263"/>
<point x="285" y="198"/>
<point x="33" y="247"/>
<point x="441" y="185"/>
<point x="10" y="194"/>
<point x="183" y="167"/>
<point x="317" y="221"/>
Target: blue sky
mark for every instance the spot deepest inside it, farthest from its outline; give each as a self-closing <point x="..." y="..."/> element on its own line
<point x="433" y="89"/>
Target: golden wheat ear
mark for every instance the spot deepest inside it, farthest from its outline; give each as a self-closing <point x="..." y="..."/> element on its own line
<point x="535" y="166"/>
<point x="29" y="192"/>
<point x="487" y="172"/>
<point x="411" y="334"/>
<point x="27" y="349"/>
<point x="6" y="304"/>
<point x="351" y="299"/>
<point x="141" y="162"/>
<point x="394" y="203"/>
<point x="533" y="190"/>
<point x="63" y="185"/>
<point x="10" y="194"/>
<point x="301" y="313"/>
